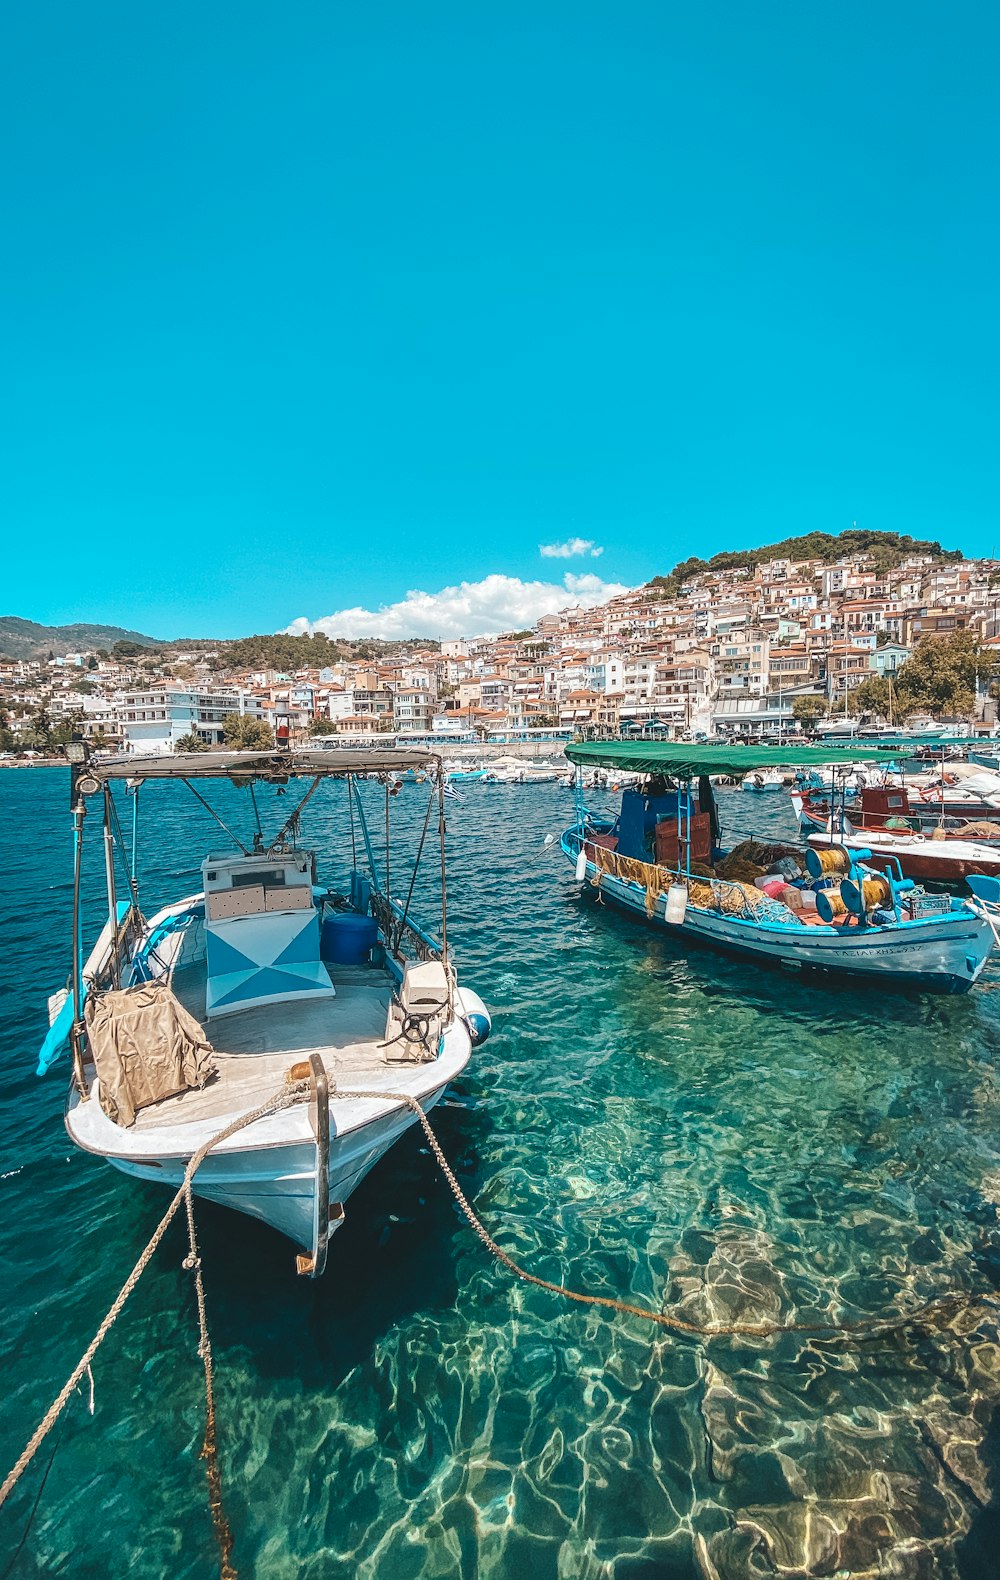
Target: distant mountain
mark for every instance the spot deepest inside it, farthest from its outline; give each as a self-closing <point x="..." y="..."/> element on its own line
<point x="27" y="639"/>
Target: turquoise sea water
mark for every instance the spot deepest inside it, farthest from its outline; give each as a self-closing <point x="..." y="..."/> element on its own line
<point x="678" y="1129"/>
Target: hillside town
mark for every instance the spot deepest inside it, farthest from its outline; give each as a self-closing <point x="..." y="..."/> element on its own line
<point x="765" y="649"/>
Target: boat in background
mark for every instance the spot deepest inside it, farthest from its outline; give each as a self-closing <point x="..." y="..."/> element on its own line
<point x="458" y="775"/>
<point x="513" y="771"/>
<point x="886" y="806"/>
<point x="657" y="859"/>
<point x="922" y="803"/>
<point x="761" y="781"/>
<point x="944" y="857"/>
<point x="293" y="1027"/>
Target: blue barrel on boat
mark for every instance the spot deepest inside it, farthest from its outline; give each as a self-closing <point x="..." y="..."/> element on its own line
<point x="347" y="938"/>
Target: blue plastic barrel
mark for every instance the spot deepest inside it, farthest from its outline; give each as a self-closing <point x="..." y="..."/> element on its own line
<point x="347" y="939"/>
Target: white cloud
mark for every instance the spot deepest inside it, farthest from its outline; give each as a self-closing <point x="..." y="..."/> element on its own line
<point x="571" y="549"/>
<point x="497" y="603"/>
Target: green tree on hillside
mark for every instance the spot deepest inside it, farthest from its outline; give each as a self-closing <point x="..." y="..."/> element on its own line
<point x="809" y="710"/>
<point x="279" y="652"/>
<point x="940" y="678"/>
<point x="885" y="549"/>
<point x="243" y="734"/>
<point x="875" y="695"/>
<point x="61" y="734"/>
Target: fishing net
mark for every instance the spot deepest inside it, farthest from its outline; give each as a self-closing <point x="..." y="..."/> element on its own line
<point x="734" y="897"/>
<point x="752" y="858"/>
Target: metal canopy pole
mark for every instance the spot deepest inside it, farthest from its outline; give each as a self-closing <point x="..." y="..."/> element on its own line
<point x="444" y="874"/>
<point x="76" y="1031"/>
<point x="109" y="876"/>
<point x="213" y="813"/>
<point x="290" y="824"/>
<point x="350" y="808"/>
<point x="387" y="839"/>
<point x="366" y="836"/>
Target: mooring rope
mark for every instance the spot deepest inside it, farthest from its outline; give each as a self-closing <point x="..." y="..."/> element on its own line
<point x="869" y="1326"/>
<point x="294" y="1092"/>
<point x="285" y="1098"/>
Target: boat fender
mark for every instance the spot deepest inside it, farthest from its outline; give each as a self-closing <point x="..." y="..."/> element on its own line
<point x="676" y="908"/>
<point x="475" y="1015"/>
<point x="581" y="865"/>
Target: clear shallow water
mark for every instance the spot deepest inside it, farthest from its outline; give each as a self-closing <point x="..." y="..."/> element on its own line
<point x="676" y="1129"/>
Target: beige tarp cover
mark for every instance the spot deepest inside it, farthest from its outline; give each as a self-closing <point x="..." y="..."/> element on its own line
<point x="145" y="1046"/>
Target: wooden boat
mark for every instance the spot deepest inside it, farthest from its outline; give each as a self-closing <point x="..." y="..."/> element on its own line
<point x="183" y="1023"/>
<point x="924" y="848"/>
<point x="876" y="807"/>
<point x="642" y="860"/>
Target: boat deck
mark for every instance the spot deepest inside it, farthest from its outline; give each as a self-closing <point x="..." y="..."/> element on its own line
<point x="255" y="1047"/>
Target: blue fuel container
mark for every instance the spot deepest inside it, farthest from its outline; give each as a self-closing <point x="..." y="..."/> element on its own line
<point x="347" y="939"/>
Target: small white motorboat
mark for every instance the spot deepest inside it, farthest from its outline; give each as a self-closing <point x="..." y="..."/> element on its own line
<point x="292" y="1028"/>
<point x="763" y="781"/>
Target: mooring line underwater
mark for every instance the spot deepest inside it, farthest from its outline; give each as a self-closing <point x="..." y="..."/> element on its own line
<point x="950" y="1302"/>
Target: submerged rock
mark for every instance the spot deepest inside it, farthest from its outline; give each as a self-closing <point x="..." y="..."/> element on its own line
<point x="736" y="1283"/>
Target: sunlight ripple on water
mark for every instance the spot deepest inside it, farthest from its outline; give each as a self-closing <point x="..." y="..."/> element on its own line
<point x="682" y="1130"/>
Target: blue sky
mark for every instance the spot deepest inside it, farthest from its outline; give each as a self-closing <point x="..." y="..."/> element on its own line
<point x="307" y="307"/>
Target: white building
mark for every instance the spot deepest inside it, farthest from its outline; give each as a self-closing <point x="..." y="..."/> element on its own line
<point x="153" y="721"/>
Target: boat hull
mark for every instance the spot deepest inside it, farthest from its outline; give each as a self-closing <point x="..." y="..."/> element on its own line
<point x="946" y="954"/>
<point x="277" y="1184"/>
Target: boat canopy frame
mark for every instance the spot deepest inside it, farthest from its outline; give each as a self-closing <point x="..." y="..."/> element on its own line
<point x="93" y="777"/>
<point x="270" y="765"/>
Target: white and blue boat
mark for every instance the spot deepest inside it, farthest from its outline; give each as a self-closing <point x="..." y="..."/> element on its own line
<point x="867" y="924"/>
<point x="762" y="781"/>
<point x="464" y="776"/>
<point x="330" y="1016"/>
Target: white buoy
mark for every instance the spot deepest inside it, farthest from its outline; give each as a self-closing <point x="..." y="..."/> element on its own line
<point x="581" y="865"/>
<point x="549" y="839"/>
<point x="677" y="902"/>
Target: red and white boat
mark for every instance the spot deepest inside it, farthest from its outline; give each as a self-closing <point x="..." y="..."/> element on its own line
<point x="921" y="807"/>
<point x="886" y="822"/>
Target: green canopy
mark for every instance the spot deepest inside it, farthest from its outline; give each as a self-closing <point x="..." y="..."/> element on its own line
<point x="683" y="761"/>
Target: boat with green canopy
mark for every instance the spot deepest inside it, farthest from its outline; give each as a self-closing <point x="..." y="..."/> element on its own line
<point x="662" y="858"/>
